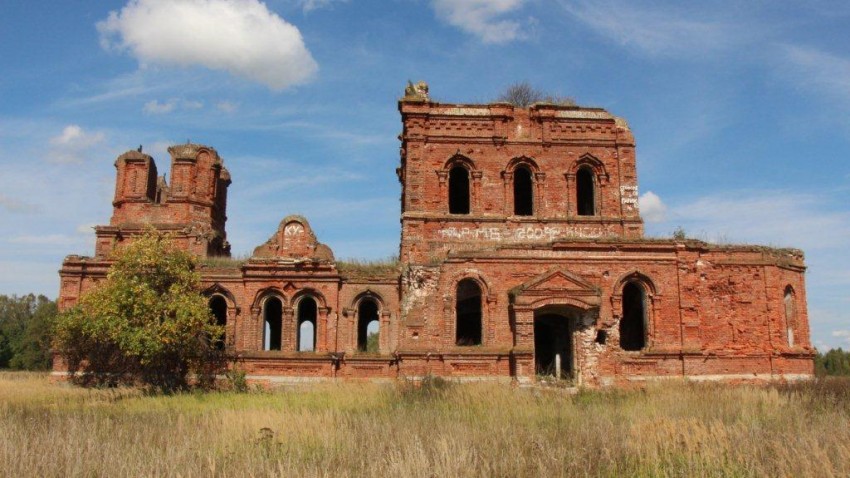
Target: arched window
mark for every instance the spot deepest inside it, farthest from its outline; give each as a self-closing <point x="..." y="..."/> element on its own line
<point x="790" y="313"/>
<point x="458" y="190"/>
<point x="272" y="319"/>
<point x="523" y="192"/>
<point x="633" y="319"/>
<point x="368" y="326"/>
<point x="307" y="313"/>
<point x="468" y="312"/>
<point x="218" y="307"/>
<point x="585" y="192"/>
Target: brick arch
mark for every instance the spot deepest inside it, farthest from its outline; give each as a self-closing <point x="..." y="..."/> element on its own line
<point x="368" y="294"/>
<point x="588" y="160"/>
<point x="263" y="294"/>
<point x="650" y="305"/>
<point x="218" y="289"/>
<point x="635" y="275"/>
<point x="526" y="161"/>
<point x="450" y="305"/>
<point x="321" y="302"/>
<point x="460" y="160"/>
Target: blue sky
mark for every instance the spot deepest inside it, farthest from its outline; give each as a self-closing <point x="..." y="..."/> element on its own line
<point x="741" y="112"/>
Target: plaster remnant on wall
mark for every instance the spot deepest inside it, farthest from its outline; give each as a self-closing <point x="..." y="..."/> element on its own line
<point x="629" y="195"/>
<point x="417" y="284"/>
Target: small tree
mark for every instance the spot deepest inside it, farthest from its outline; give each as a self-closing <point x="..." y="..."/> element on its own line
<point x="147" y="322"/>
<point x="522" y="94"/>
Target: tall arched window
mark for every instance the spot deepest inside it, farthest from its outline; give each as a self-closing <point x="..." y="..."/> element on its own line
<point x="585" y="192"/>
<point x="307" y="314"/>
<point x="218" y="307"/>
<point x="468" y="313"/>
<point x="790" y="314"/>
<point x="633" y="318"/>
<point x="523" y="192"/>
<point x="368" y="326"/>
<point x="272" y="319"/>
<point x="458" y="190"/>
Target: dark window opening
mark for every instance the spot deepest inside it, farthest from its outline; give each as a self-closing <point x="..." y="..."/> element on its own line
<point x="368" y="326"/>
<point x="601" y="337"/>
<point x="552" y="346"/>
<point x="273" y="315"/>
<point x="585" y="194"/>
<point x="632" y="322"/>
<point x="458" y="190"/>
<point x="468" y="311"/>
<point x="523" y="192"/>
<point x="307" y="314"/>
<point x="218" y="307"/>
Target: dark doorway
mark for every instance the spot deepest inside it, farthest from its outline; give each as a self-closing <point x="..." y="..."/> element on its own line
<point x="585" y="194"/>
<point x="553" y="344"/>
<point x="307" y="314"/>
<point x="632" y="322"/>
<point x="458" y="190"/>
<point x="272" y="315"/>
<point x="218" y="307"/>
<point x="468" y="312"/>
<point x="523" y="192"/>
<point x="367" y="326"/>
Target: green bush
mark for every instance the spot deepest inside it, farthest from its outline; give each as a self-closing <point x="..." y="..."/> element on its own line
<point x="146" y="323"/>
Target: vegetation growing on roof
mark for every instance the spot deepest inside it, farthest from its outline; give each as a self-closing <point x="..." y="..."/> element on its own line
<point x="523" y="94"/>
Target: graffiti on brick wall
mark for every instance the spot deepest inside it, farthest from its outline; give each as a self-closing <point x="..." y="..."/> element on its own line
<point x="525" y="233"/>
<point x="629" y="195"/>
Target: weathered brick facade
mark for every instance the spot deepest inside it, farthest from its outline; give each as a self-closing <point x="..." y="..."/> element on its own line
<point x="522" y="254"/>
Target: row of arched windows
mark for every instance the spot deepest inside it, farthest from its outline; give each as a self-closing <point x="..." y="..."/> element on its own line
<point x="523" y="189"/>
<point x="469" y="318"/>
<point x="368" y="323"/>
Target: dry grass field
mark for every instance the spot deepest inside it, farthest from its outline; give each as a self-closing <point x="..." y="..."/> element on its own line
<point x="354" y="429"/>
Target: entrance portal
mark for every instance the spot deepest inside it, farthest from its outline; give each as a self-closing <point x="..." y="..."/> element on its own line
<point x="553" y="345"/>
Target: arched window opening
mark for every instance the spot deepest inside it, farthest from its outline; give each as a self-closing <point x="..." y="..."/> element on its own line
<point x="633" y="320"/>
<point x="458" y="190"/>
<point x="218" y="308"/>
<point x="307" y="313"/>
<point x="468" y="311"/>
<point x="272" y="319"/>
<point x="790" y="312"/>
<point x="368" y="326"/>
<point x="585" y="194"/>
<point x="523" y="192"/>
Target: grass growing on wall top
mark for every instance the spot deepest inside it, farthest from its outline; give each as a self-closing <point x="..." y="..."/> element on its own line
<point x="362" y="429"/>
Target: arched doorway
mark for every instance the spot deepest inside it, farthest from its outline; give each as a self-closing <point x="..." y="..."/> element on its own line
<point x="307" y="322"/>
<point x="554" y="352"/>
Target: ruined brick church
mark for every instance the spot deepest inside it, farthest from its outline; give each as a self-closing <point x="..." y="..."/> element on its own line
<point x="522" y="256"/>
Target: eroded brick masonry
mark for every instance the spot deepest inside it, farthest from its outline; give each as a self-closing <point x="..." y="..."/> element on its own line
<point x="522" y="256"/>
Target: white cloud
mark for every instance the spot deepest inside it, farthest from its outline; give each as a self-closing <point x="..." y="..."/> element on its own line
<point x="241" y="37"/>
<point x="310" y="5"/>
<point x="227" y="106"/>
<point x="154" y="107"/>
<point x="481" y="18"/>
<point x="73" y="144"/>
<point x="192" y="104"/>
<point x="652" y="209"/>
<point x="819" y="71"/>
<point x="16" y="206"/>
<point x="656" y="31"/>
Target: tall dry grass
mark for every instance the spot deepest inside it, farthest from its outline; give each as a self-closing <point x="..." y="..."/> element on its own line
<point x="355" y="429"/>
